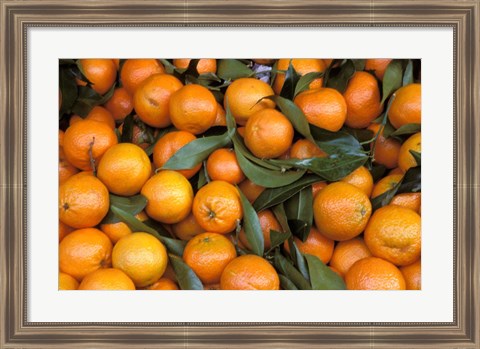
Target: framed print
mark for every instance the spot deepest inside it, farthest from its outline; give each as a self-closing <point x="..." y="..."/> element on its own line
<point x="52" y="44"/>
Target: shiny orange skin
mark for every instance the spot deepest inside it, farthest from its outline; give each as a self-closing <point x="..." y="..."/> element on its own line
<point x="243" y="96"/>
<point x="222" y="165"/>
<point x="163" y="284"/>
<point x="346" y="253"/>
<point x="193" y="108"/>
<point x="204" y="65"/>
<point x="378" y="66"/>
<point x="66" y="282"/>
<point x="84" y="251"/>
<point x="316" y="244"/>
<point x="221" y="117"/>
<point x="249" y="272"/>
<point x="268" y="222"/>
<point x="413" y="275"/>
<point x="97" y="113"/>
<point x="412" y="201"/>
<point x="116" y="231"/>
<point x="83" y="201"/>
<point x="120" y="104"/>
<point x="374" y="273"/>
<point x="341" y="211"/>
<point x="100" y="72"/>
<point x="361" y="178"/>
<point x="302" y="67"/>
<point x="187" y="228"/>
<point x="107" y="280"/>
<point x="134" y="71"/>
<point x="217" y="207"/>
<point x="268" y="134"/>
<point x="251" y="190"/>
<point x="305" y="149"/>
<point x="386" y="149"/>
<point x="208" y="254"/>
<point x="168" y="145"/>
<point x="152" y="99"/>
<point x="405" y="158"/>
<point x="385" y="184"/>
<point x="406" y="108"/>
<point x="63" y="230"/>
<point x="363" y="100"/>
<point x="65" y="169"/>
<point x="394" y="234"/>
<point x="323" y="107"/>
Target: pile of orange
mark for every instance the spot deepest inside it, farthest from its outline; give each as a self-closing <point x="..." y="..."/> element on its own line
<point x="130" y="220"/>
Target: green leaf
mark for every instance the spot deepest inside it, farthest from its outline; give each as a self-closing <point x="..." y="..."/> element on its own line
<point x="287" y="269"/>
<point x="417" y="156"/>
<point x="361" y="135"/>
<point x="321" y="276"/>
<point x="251" y="226"/>
<point x="186" y="277"/>
<point x="304" y="82"/>
<point x="294" y="115"/>
<point x="89" y="98"/>
<point x="340" y="142"/>
<point x="339" y="77"/>
<point x="408" y="75"/>
<point x="277" y="238"/>
<point x="286" y="284"/>
<point x="169" y="67"/>
<point x="196" y="151"/>
<point x="298" y="259"/>
<point x="299" y="211"/>
<point x="127" y="130"/>
<point x="69" y="89"/>
<point x="291" y="80"/>
<point x="377" y="172"/>
<point x="133" y="205"/>
<point x="83" y="76"/>
<point x="274" y="196"/>
<point x="392" y="79"/>
<point x="232" y="69"/>
<point x="407" y="129"/>
<point x="388" y="129"/>
<point x="359" y="64"/>
<point x="203" y="176"/>
<point x="280" y="215"/>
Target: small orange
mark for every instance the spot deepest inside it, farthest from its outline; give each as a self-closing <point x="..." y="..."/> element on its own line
<point x="193" y="108"/>
<point x="268" y="222"/>
<point x="204" y="65"/>
<point x="124" y="169"/>
<point x="263" y="61"/>
<point x="378" y="66"/>
<point x="63" y="230"/>
<point x="394" y="234"/>
<point x="169" y="197"/>
<point x="66" y="282"/>
<point x="373" y="273"/>
<point x="107" y="280"/>
<point x="385" y="184"/>
<point x="83" y="201"/>
<point x="346" y="253"/>
<point x="412" y="201"/>
<point x="302" y="67"/>
<point x="316" y="244"/>
<point x="361" y="178"/>
<point x="406" y="108"/>
<point x="396" y="170"/>
<point x="323" y="107"/>
<point x="163" y="284"/>
<point x="116" y="231"/>
<point x="100" y="72"/>
<point x="363" y="100"/>
<point x="87" y="140"/>
<point x="413" y="275"/>
<point x="221" y="117"/>
<point x="386" y="149"/>
<point x="168" y="145"/>
<point x="316" y="187"/>
<point x="222" y="165"/>
<point x="249" y="272"/>
<point x="268" y="134"/>
<point x="134" y="71"/>
<point x="120" y="104"/>
<point x="341" y="211"/>
<point x="116" y="61"/>
<point x="152" y="97"/>
<point x="405" y="158"/>
<point x="217" y="207"/>
<point x="65" y="169"/>
<point x="84" y="251"/>
<point x="305" y="149"/>
<point x="141" y="256"/>
<point x="187" y="228"/>
<point x="97" y="113"/>
<point x="243" y="96"/>
<point x="208" y="254"/>
<point x="251" y="190"/>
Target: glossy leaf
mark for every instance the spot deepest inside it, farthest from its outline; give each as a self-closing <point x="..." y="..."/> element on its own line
<point x="408" y="74"/>
<point x="251" y="226"/>
<point x="298" y="259"/>
<point x="407" y="129"/>
<point x="68" y="88"/>
<point x="186" y="277"/>
<point x="277" y="238"/>
<point x="89" y="98"/>
<point x="304" y="82"/>
<point x="321" y="276"/>
<point x="392" y="79"/>
<point x="287" y="269"/>
<point x="127" y="130"/>
<point x="232" y="69"/>
<point x="286" y="284"/>
<point x="281" y="216"/>
<point x="340" y="142"/>
<point x="339" y="77"/>
<point x="417" y="156"/>
<point x="299" y="211"/>
<point x="359" y="64"/>
<point x="291" y="80"/>
<point x="133" y="205"/>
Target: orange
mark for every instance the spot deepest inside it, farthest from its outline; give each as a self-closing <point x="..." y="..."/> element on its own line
<point x="373" y="273"/>
<point x="66" y="282"/>
<point x="396" y="170"/>
<point x="117" y="63"/>
<point x="124" y="169"/>
<point x="83" y="201"/>
<point x="363" y="100"/>
<point x="302" y="67"/>
<point x="97" y="113"/>
<point x="108" y="280"/>
<point x="120" y="104"/>
<point x="251" y="190"/>
<point x="385" y="184"/>
<point x="208" y="254"/>
<point x="413" y="275"/>
<point x="316" y="244"/>
<point x="84" y="251"/>
<point x="346" y="253"/>
<point x="408" y="200"/>
<point x="152" y="97"/>
<point x="267" y="222"/>
<point x="268" y="134"/>
<point x="263" y="61"/>
<point x="249" y="272"/>
<point x="87" y="140"/>
<point x="134" y="71"/>
<point x="204" y="65"/>
<point x="168" y="145"/>
<point x="341" y="211"/>
<point x="222" y="165"/>
<point x="100" y="72"/>
<point x="378" y="66"/>
<point x="163" y="284"/>
<point x="65" y="169"/>
<point x="405" y="158"/>
<point x="305" y="149"/>
<point x="116" y="231"/>
<point x="169" y="197"/>
<point x="323" y="107"/>
<point x="193" y="108"/>
<point x="243" y="96"/>
<point x="316" y="187"/>
<point x="63" y="230"/>
<point x="361" y="178"/>
<point x="221" y="117"/>
<point x="187" y="228"/>
<point x="406" y="108"/>
<point x="217" y="207"/>
<point x="141" y="256"/>
<point x="386" y="149"/>
<point x="394" y="234"/>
